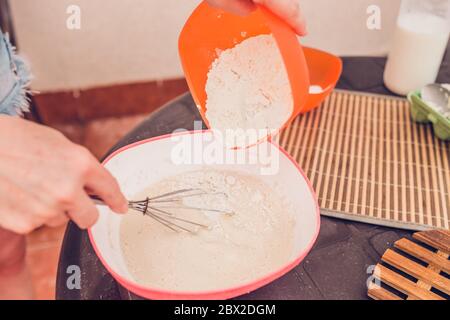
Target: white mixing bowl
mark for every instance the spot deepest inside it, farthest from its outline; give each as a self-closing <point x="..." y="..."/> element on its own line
<point x="139" y="165"/>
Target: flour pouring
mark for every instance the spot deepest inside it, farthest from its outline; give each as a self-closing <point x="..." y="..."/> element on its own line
<point x="248" y="89"/>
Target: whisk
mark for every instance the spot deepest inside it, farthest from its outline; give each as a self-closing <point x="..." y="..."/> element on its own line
<point x="156" y="208"/>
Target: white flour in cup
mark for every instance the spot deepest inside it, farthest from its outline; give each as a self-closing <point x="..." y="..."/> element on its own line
<point x="248" y="88"/>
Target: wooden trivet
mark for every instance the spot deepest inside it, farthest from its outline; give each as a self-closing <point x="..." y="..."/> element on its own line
<point x="414" y="270"/>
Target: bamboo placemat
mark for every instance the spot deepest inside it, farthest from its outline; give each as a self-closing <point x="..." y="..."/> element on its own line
<point x="368" y="161"/>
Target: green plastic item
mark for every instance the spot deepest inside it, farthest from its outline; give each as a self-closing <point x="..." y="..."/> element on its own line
<point x="423" y="113"/>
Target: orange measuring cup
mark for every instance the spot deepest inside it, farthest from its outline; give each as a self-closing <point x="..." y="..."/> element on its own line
<point x="209" y="29"/>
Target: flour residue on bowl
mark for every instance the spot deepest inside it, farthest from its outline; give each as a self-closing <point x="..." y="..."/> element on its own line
<point x="257" y="240"/>
<point x="248" y="88"/>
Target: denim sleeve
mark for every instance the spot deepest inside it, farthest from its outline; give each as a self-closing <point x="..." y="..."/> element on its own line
<point x="14" y="79"/>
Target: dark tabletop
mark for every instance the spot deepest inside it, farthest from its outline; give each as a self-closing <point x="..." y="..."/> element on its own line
<point x="337" y="267"/>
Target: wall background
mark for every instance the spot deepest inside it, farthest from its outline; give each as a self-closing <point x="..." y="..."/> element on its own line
<point x="128" y="41"/>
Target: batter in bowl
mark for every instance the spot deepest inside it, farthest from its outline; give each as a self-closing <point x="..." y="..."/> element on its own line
<point x="236" y="249"/>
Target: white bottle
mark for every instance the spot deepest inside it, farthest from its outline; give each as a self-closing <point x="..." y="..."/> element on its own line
<point x="418" y="46"/>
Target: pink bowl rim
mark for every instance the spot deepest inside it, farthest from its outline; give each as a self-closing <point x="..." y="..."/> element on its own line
<point x="158" y="294"/>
